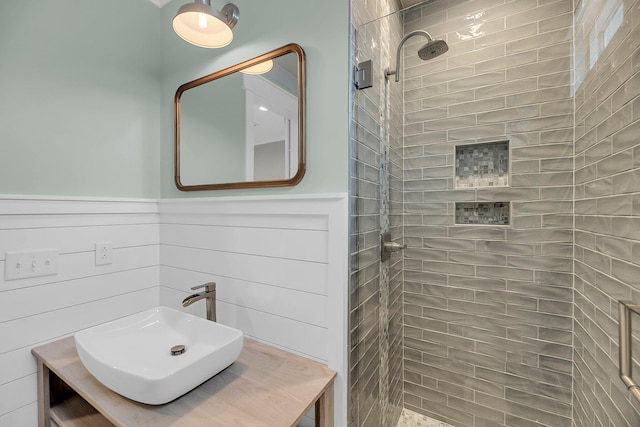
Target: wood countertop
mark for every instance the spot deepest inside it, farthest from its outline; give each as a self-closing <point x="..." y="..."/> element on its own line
<point x="266" y="386"/>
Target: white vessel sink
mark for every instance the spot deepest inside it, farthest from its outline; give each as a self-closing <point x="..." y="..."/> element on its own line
<point x="132" y="356"/>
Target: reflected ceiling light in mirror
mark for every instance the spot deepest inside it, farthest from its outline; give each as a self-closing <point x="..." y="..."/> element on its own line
<point x="198" y="24"/>
<point x="261" y="68"/>
<point x="263" y="108"/>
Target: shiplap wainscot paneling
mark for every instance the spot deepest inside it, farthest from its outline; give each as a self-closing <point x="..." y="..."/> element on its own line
<point x="280" y="264"/>
<point x="41" y="309"/>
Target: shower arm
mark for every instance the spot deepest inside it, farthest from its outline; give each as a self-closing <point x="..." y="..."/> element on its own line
<point x="404" y="39"/>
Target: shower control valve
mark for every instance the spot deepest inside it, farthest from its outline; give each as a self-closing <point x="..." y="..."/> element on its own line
<point x="394" y="247"/>
<point x="387" y="246"/>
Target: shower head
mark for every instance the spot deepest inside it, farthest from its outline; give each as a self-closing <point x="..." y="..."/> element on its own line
<point x="430" y="50"/>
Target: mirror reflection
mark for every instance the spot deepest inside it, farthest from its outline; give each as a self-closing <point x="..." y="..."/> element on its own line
<point x="243" y="126"/>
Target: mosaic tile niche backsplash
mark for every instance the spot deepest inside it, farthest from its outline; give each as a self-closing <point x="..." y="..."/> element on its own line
<point x="482" y="213"/>
<point x="482" y="165"/>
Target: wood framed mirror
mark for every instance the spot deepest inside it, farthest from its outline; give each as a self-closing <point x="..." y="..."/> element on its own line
<point x="243" y="126"/>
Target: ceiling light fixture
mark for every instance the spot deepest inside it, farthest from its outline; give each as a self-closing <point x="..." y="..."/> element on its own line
<point x="198" y="24"/>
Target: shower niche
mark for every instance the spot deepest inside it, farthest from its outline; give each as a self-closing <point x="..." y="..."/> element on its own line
<point x="483" y="165"/>
<point x="485" y="213"/>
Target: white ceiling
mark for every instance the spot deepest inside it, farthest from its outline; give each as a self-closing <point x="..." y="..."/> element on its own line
<point x="403" y="3"/>
<point x="160" y="3"/>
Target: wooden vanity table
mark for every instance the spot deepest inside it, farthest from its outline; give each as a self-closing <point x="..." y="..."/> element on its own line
<point x="265" y="387"/>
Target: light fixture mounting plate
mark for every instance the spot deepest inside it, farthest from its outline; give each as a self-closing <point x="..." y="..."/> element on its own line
<point x="231" y="13"/>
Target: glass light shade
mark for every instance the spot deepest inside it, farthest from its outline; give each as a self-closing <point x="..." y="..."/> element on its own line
<point x="261" y="68"/>
<point x="196" y="24"/>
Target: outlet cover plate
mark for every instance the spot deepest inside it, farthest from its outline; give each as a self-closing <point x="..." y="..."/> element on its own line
<point x="104" y="253"/>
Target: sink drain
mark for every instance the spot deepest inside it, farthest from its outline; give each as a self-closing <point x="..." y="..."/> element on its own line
<point x="177" y="350"/>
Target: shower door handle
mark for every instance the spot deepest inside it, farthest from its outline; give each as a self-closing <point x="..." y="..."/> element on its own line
<point x="387" y="246"/>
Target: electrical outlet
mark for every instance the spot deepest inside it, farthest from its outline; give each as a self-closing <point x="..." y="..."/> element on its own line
<point x="24" y="264"/>
<point x="104" y="253"/>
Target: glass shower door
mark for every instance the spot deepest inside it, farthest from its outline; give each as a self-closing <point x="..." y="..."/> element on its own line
<point x="376" y="188"/>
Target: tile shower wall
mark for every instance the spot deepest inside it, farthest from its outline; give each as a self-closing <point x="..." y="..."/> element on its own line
<point x="375" y="300"/>
<point x="392" y="286"/>
<point x="607" y="238"/>
<point x="488" y="309"/>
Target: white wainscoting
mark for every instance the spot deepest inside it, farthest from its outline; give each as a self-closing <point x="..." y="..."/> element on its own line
<point x="280" y="264"/>
<point x="37" y="310"/>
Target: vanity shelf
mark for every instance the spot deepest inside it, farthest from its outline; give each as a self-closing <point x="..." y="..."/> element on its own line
<point x="76" y="412"/>
<point x="266" y="387"/>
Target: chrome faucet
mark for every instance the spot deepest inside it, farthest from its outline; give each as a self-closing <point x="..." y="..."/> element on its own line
<point x="209" y="293"/>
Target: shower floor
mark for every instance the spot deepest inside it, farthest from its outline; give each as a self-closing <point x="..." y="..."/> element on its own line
<point x="409" y="418"/>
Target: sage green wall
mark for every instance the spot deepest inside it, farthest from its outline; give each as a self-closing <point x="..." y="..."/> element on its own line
<point x="87" y="92"/>
<point x="322" y="29"/>
<point x="80" y="97"/>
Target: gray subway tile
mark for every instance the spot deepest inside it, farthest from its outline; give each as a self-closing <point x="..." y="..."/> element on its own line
<point x="627" y="182"/>
<point x="541" y="123"/>
<point x="505" y="115"/>
<point x="555" y="21"/>
<point x="562" y="78"/>
<point x="546" y="151"/>
<point x="553" y="94"/>
<point x="541" y="41"/>
<point x="556" y="193"/>
<point x="506" y="88"/>
<point x="476" y="106"/>
<point x="539" y="13"/>
<point x="501" y="37"/>
<point x="504" y="62"/>
<point x="542" y="179"/>
<point x="617" y="121"/>
<point x="538" y="68"/>
<point x="496" y="130"/>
